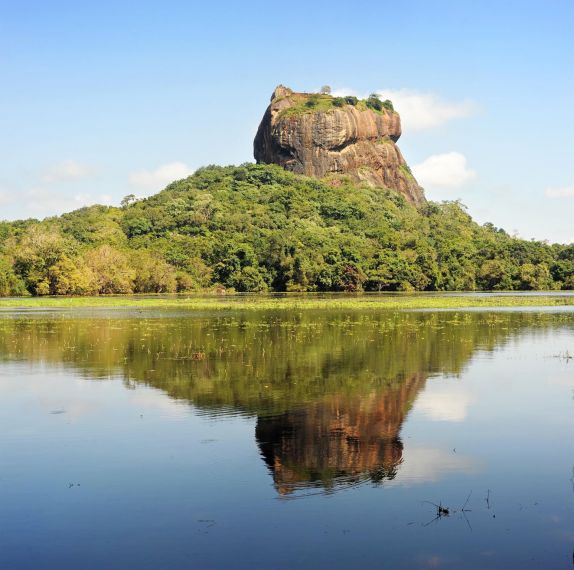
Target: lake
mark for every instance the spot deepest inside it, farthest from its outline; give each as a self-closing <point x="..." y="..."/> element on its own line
<point x="331" y="439"/>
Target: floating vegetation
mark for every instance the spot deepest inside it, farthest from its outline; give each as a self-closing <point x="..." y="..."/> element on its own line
<point x="298" y="302"/>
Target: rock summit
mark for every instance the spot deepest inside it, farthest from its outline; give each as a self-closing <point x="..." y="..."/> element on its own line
<point x="318" y="135"/>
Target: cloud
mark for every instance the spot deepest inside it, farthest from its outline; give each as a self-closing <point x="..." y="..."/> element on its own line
<point x="448" y="170"/>
<point x="341" y="92"/>
<point x="563" y="192"/>
<point x="44" y="202"/>
<point x="420" y="110"/>
<point x="155" y="400"/>
<point x="6" y="197"/>
<point x="423" y="465"/>
<point x="161" y="176"/>
<point x="446" y="403"/>
<point x="67" y="170"/>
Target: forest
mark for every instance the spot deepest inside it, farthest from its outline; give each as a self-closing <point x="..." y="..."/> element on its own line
<point x="255" y="228"/>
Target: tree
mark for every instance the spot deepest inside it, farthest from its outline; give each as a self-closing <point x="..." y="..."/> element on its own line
<point x="495" y="274"/>
<point x="111" y="269"/>
<point x="536" y="277"/>
<point x="388" y="104"/>
<point x="10" y="283"/>
<point x="71" y="277"/>
<point x="326" y="90"/>
<point x="256" y="227"/>
<point x="40" y="247"/>
<point x="350" y="278"/>
<point x="128" y="200"/>
<point x="134" y="225"/>
<point x="153" y="274"/>
<point x="373" y="102"/>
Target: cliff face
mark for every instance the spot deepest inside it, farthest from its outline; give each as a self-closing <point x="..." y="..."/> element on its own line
<point x="317" y="135"/>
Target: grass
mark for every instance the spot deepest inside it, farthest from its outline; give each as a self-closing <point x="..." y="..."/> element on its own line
<point x="297" y="302"/>
<point x="406" y="170"/>
<point x="323" y="103"/>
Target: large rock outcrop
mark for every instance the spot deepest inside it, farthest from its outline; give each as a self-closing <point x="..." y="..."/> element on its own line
<point x="318" y="135"/>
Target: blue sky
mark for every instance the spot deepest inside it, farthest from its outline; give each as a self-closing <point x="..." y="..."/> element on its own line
<point x="104" y="99"/>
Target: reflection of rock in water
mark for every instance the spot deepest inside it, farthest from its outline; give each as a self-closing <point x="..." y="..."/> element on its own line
<point x="339" y="440"/>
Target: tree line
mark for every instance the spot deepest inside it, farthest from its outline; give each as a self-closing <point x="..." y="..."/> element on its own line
<point x="260" y="228"/>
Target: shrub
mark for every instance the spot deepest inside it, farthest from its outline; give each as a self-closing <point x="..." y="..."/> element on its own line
<point x="388" y="105"/>
<point x="373" y="102"/>
<point x="312" y="101"/>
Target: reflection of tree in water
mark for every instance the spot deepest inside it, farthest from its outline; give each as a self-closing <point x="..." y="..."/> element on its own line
<point x="330" y="390"/>
<point x="339" y="440"/>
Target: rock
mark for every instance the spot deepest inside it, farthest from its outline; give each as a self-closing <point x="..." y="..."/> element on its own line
<point x="319" y="135"/>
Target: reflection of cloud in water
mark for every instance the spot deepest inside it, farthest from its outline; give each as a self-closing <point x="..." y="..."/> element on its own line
<point x="58" y="394"/>
<point x="74" y="408"/>
<point x="345" y="440"/>
<point x="148" y="399"/>
<point x="445" y="401"/>
<point x="561" y="377"/>
<point x="426" y="464"/>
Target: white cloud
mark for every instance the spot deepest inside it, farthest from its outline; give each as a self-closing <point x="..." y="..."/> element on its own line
<point x="67" y="170"/>
<point x="564" y="192"/>
<point x="43" y="202"/>
<point x="444" y="402"/>
<point x="6" y="197"/>
<point x="419" y="110"/>
<point x="448" y="170"/>
<point x="422" y="465"/>
<point x="161" y="176"/>
<point x="345" y="91"/>
<point x="156" y="400"/>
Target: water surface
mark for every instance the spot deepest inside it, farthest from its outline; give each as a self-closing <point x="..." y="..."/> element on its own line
<point x="170" y="439"/>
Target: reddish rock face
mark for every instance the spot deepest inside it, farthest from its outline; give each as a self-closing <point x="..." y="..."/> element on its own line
<point x="351" y="140"/>
<point x="338" y="440"/>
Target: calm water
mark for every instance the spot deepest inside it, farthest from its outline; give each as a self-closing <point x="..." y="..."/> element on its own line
<point x="171" y="440"/>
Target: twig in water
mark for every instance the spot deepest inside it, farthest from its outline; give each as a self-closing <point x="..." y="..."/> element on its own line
<point x="564" y="356"/>
<point x="442" y="511"/>
<point x="464" y="509"/>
